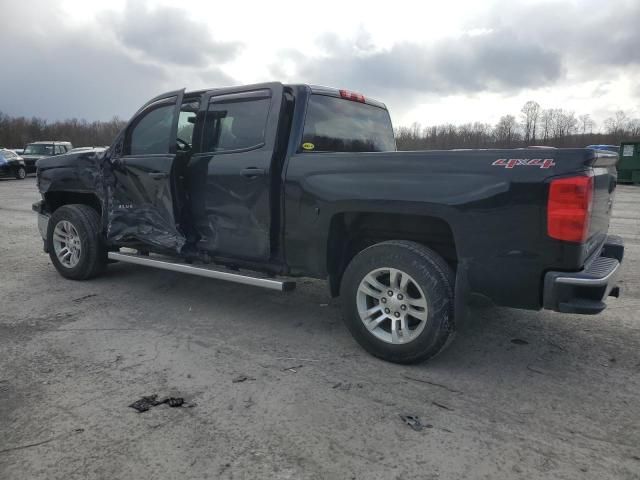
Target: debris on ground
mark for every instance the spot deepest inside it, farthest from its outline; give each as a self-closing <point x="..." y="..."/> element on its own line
<point x="147" y="402"/>
<point x="292" y="369"/>
<point x="414" y="422"/>
<point x="429" y="382"/>
<point x="519" y="341"/>
<point x="79" y="299"/>
<point x="536" y="370"/>
<point x="298" y="359"/>
<point x="345" y="387"/>
<point x="441" y="405"/>
<point x="241" y="378"/>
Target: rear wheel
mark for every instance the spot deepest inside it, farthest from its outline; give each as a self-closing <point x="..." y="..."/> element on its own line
<point x="21" y="173"/>
<point x="74" y="244"/>
<point x="398" y="301"/>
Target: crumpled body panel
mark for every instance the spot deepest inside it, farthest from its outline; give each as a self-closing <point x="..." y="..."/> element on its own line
<point x="147" y="225"/>
<point x="139" y="208"/>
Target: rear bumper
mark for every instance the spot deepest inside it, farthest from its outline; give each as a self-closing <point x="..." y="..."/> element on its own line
<point x="585" y="291"/>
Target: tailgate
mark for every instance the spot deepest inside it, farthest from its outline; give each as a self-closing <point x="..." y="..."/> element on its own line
<point x="605" y="176"/>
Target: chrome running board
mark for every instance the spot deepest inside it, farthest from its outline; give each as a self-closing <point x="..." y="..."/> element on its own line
<point x="280" y="285"/>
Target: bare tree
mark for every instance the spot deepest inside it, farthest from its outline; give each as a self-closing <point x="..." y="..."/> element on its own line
<point x="530" y="112"/>
<point x="615" y="125"/>
<point x="633" y="128"/>
<point x="586" y="123"/>
<point x="505" y="130"/>
<point x="546" y="123"/>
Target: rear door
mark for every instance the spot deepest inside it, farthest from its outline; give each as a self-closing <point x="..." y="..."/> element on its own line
<point x="229" y="177"/>
<point x="140" y="193"/>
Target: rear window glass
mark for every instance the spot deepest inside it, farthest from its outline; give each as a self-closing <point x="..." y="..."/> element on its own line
<point x="338" y="125"/>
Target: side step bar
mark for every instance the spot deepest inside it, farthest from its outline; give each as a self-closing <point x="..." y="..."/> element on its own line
<point x="282" y="286"/>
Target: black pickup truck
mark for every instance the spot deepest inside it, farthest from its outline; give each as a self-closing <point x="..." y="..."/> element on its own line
<point x="263" y="183"/>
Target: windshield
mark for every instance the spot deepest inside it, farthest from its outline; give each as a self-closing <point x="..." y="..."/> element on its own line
<point x="338" y="125"/>
<point x="38" y="149"/>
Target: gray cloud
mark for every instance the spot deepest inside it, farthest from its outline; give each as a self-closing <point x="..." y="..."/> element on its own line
<point x="55" y="71"/>
<point x="499" y="61"/>
<point x="168" y="34"/>
<point x="590" y="33"/>
<point x="519" y="47"/>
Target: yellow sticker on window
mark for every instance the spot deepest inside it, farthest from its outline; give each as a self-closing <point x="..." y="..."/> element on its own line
<point x="308" y="146"/>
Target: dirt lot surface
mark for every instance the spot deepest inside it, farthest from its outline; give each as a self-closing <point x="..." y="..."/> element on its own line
<point x="518" y="394"/>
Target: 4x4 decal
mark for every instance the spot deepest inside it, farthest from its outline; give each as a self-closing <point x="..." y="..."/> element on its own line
<point x="515" y="162"/>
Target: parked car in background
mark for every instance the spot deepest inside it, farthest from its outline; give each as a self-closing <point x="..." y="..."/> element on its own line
<point x="19" y="151"/>
<point x="606" y="148"/>
<point x="12" y="165"/>
<point x="37" y="150"/>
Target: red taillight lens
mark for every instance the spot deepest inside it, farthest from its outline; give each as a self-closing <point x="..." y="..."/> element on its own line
<point x="569" y="208"/>
<point x="356" y="97"/>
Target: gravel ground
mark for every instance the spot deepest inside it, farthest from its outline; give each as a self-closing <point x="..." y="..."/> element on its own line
<point x="73" y="356"/>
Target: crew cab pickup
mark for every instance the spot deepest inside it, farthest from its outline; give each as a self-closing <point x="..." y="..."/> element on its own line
<point x="263" y="183"/>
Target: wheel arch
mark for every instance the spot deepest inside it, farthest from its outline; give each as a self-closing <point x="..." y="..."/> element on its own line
<point x="352" y="232"/>
<point x="56" y="199"/>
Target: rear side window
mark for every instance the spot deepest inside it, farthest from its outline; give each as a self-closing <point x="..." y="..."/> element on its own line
<point x="338" y="125"/>
<point x="152" y="133"/>
<point x="236" y="121"/>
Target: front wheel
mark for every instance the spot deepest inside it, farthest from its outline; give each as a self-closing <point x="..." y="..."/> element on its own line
<point x="74" y="244"/>
<point x="21" y="173"/>
<point x="398" y="303"/>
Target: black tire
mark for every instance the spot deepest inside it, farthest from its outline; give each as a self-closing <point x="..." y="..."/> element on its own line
<point x="430" y="272"/>
<point x="93" y="256"/>
<point x="21" y="173"/>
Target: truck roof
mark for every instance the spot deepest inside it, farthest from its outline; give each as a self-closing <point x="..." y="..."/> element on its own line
<point x="49" y="142"/>
<point x="318" y="89"/>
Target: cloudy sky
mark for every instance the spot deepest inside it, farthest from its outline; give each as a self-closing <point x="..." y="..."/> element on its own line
<point x="430" y="61"/>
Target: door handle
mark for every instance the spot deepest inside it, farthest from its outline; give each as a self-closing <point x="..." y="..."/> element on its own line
<point x="252" y="172"/>
<point x="158" y="175"/>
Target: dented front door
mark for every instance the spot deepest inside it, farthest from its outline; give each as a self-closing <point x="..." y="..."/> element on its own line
<point x="140" y="203"/>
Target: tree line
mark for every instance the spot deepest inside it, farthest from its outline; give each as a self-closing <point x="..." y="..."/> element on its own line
<point x="554" y="127"/>
<point x="16" y="132"/>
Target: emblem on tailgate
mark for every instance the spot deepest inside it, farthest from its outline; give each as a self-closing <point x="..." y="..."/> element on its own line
<point x="516" y="162"/>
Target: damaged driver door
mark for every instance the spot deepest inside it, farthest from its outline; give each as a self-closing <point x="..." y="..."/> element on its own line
<point x="140" y="192"/>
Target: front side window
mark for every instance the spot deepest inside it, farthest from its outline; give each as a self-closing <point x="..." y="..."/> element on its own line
<point x="236" y="121"/>
<point x="338" y="125"/>
<point x="151" y="133"/>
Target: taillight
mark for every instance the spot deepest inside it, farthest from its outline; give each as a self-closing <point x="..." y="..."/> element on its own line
<point x="356" y="97"/>
<point x="569" y="208"/>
